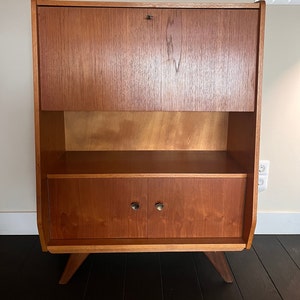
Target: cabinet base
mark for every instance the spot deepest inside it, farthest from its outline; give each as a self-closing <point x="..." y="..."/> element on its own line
<point x="217" y="259"/>
<point x="146" y="245"/>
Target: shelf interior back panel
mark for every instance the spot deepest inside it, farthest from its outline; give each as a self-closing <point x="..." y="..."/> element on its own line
<point x="93" y="131"/>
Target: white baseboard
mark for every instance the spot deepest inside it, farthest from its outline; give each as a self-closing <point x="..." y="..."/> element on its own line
<point x="18" y="223"/>
<point x="278" y="223"/>
<point x="24" y="223"/>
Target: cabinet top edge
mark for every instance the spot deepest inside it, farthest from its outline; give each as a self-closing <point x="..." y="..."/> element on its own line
<point x="125" y="4"/>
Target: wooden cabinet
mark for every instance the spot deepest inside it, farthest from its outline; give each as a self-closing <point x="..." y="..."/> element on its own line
<point x="147" y="120"/>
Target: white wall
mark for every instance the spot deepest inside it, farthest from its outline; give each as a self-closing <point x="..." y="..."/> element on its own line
<point x="280" y="135"/>
<point x="279" y="206"/>
<point x="17" y="181"/>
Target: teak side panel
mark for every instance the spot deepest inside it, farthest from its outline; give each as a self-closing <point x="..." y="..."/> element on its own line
<point x="92" y="208"/>
<point x="251" y="206"/>
<point x="94" y="131"/>
<point x="42" y="227"/>
<point x="182" y="60"/>
<point x="243" y="141"/>
<point x="196" y="207"/>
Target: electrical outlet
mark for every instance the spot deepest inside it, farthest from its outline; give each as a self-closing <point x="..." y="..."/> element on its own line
<point x="264" y="166"/>
<point x="262" y="183"/>
<point x="263" y="173"/>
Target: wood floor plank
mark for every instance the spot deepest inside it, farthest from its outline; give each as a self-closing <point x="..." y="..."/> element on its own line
<point x="106" y="280"/>
<point x="14" y="251"/>
<point x="179" y="277"/>
<point x="291" y="243"/>
<point x="281" y="268"/>
<point x="251" y="277"/>
<point x="41" y="273"/>
<point x="212" y="285"/>
<point x="272" y="265"/>
<point x="143" y="278"/>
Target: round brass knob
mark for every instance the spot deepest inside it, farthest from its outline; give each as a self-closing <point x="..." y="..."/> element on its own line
<point x="159" y="206"/>
<point x="135" y="205"/>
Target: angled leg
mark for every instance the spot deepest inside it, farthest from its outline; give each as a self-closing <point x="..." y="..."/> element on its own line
<point x="74" y="262"/>
<point x="220" y="263"/>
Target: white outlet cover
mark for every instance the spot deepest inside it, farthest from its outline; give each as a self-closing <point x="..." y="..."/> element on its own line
<point x="264" y="167"/>
<point x="262" y="183"/>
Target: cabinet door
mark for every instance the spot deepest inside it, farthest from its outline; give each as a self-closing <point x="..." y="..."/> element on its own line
<point x="209" y="59"/>
<point x="97" y="208"/>
<point x="196" y="207"/>
<point x="147" y="59"/>
<point x="99" y="58"/>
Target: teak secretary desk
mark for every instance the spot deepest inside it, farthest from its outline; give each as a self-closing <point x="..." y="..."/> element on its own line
<point x="147" y="119"/>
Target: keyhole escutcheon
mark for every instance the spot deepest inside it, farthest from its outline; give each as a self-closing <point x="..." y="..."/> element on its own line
<point x="149" y="17"/>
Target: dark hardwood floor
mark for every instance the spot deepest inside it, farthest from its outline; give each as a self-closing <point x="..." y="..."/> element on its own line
<point x="270" y="270"/>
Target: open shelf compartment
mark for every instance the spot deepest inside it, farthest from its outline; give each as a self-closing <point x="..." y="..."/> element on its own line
<point x="146" y="163"/>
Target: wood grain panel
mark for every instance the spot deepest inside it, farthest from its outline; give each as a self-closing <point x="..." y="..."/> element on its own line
<point x="98" y="59"/>
<point x="196" y="207"/>
<point x="100" y="208"/>
<point x="91" y="208"/>
<point x="209" y="59"/>
<point x="147" y="59"/>
<point x="86" y="131"/>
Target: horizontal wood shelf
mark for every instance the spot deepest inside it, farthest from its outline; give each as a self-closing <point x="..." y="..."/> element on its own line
<point x="145" y="245"/>
<point x="101" y="164"/>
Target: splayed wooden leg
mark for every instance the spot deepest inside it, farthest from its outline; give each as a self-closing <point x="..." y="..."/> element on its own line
<point x="74" y="262"/>
<point x="220" y="263"/>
